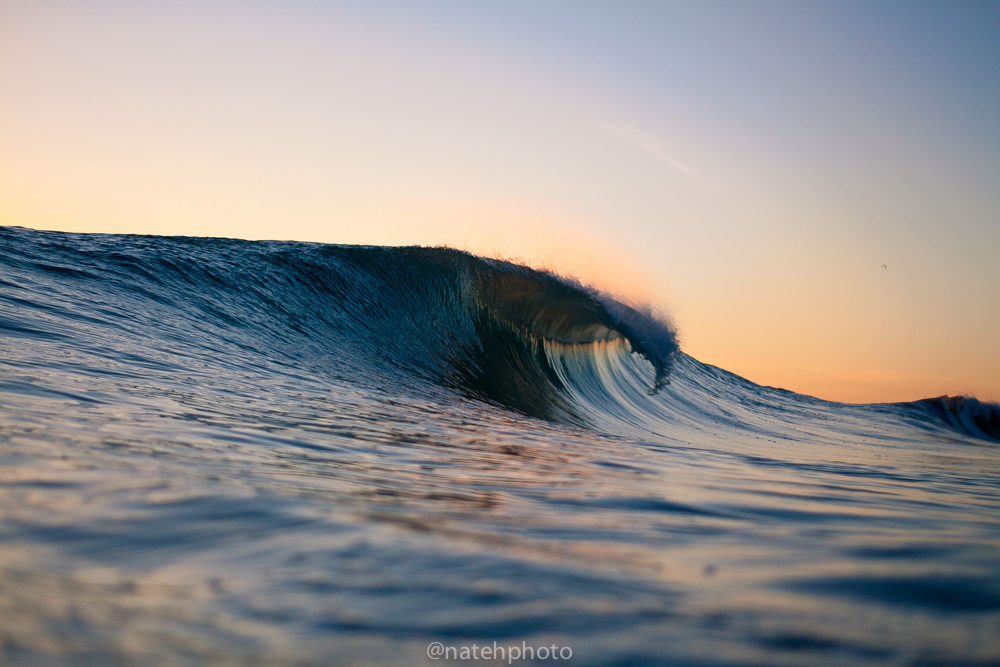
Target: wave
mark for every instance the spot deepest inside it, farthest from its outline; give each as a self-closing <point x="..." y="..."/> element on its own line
<point x="515" y="337"/>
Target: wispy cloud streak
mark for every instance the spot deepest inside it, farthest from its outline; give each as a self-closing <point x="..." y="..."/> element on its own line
<point x="650" y="143"/>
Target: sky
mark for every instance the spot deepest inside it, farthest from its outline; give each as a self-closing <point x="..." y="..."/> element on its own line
<point x="810" y="191"/>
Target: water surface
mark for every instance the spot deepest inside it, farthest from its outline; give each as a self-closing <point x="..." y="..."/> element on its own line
<point x="230" y="452"/>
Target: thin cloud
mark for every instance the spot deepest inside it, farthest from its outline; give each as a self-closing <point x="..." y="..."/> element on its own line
<point x="651" y="144"/>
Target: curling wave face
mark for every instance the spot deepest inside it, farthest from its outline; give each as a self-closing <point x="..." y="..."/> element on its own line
<point x="519" y="456"/>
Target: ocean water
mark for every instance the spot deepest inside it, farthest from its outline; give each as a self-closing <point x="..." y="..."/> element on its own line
<point x="230" y="452"/>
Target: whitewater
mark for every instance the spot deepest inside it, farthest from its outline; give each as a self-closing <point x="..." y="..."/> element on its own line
<point x="217" y="451"/>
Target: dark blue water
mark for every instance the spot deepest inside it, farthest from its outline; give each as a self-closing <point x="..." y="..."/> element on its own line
<point x="228" y="452"/>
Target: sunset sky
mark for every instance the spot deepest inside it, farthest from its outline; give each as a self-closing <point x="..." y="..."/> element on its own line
<point x="811" y="191"/>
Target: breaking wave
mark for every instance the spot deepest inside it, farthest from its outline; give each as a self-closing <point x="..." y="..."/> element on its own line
<point x="524" y="339"/>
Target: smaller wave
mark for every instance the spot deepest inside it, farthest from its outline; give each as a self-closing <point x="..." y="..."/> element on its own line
<point x="966" y="414"/>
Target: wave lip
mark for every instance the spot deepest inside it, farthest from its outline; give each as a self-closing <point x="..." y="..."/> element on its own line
<point x="518" y="312"/>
